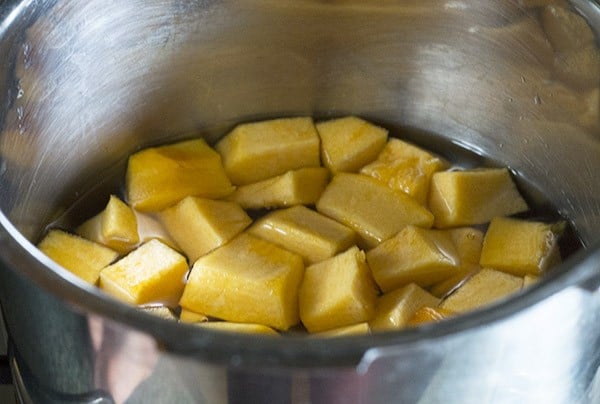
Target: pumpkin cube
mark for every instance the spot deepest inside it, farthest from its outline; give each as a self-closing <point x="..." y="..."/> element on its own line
<point x="297" y="187"/>
<point x="394" y="309"/>
<point x="82" y="257"/>
<point x="159" y="177"/>
<point x="306" y="232"/>
<point x="248" y="280"/>
<point x="347" y="144"/>
<point x="337" y="292"/>
<point x="485" y="287"/>
<point x="200" y="225"/>
<point x="405" y="167"/>
<point x="520" y="247"/>
<point x="370" y="208"/>
<point x="416" y="255"/>
<point x="256" y="151"/>
<point x="152" y="273"/>
<point x="115" y="227"/>
<point x="469" y="197"/>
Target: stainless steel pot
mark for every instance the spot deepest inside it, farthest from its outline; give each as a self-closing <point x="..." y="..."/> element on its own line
<point x="84" y="83"/>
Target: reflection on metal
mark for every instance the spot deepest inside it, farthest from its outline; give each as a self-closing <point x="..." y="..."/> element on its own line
<point x="84" y="83"/>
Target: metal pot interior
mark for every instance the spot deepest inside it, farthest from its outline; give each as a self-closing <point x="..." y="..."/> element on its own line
<point x="86" y="83"/>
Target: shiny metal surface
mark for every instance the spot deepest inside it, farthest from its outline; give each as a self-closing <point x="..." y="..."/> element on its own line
<point x="85" y="83"/>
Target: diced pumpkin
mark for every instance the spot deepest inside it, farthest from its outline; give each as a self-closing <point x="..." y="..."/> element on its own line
<point x="82" y="257"/>
<point x="394" y="309"/>
<point x="256" y="151"/>
<point x="248" y="280"/>
<point x="159" y="177"/>
<point x="238" y="327"/>
<point x="348" y="143"/>
<point x="470" y="197"/>
<point x="115" y="227"/>
<point x="152" y="273"/>
<point x="302" y="230"/>
<point x="428" y="314"/>
<point x="416" y="255"/>
<point x="297" y="187"/>
<point x="370" y="208"/>
<point x="485" y="287"/>
<point x="405" y="167"/>
<point x="520" y="247"/>
<point x="200" y="225"/>
<point x="337" y="292"/>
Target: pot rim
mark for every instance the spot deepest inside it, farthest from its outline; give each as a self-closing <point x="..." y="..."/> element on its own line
<point x="268" y="351"/>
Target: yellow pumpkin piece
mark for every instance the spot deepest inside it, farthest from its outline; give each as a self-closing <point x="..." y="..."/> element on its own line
<point x="188" y="316"/>
<point x="306" y="232"/>
<point x="394" y="309"/>
<point x="414" y="255"/>
<point x="297" y="187"/>
<point x="468" y="242"/>
<point x="354" y="329"/>
<point x="115" y="227"/>
<point x="520" y="247"/>
<point x="469" y="197"/>
<point x="248" y="280"/>
<point x="405" y="167"/>
<point x="200" y="225"/>
<point x="485" y="287"/>
<point x="428" y="314"/>
<point x="256" y="151"/>
<point x="152" y="273"/>
<point x="238" y="327"/>
<point x="82" y="257"/>
<point x="159" y="311"/>
<point x="150" y="227"/>
<point x="348" y="143"/>
<point x="159" y="177"/>
<point x="370" y="208"/>
<point x="565" y="29"/>
<point x="337" y="292"/>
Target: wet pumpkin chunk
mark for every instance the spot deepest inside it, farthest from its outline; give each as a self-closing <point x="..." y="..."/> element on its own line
<point x="470" y="197"/>
<point x="248" y="280"/>
<point x="82" y="257"/>
<point x="520" y="247"/>
<point x="348" y="143"/>
<point x="337" y="292"/>
<point x="358" y="201"/>
<point x="115" y="227"/>
<point x="256" y="151"/>
<point x="159" y="177"/>
<point x="152" y="273"/>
